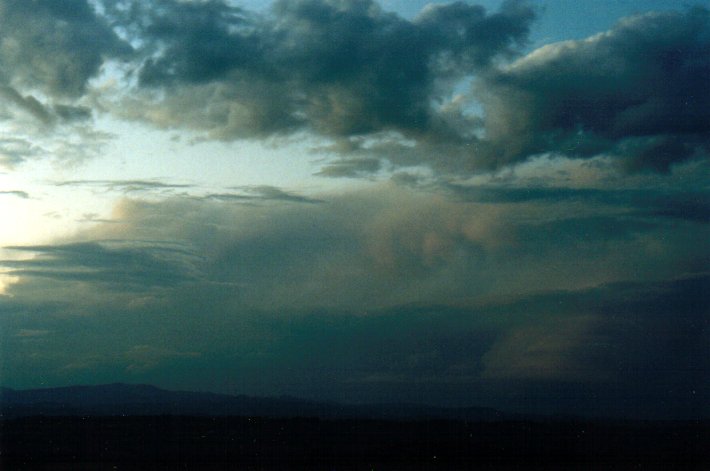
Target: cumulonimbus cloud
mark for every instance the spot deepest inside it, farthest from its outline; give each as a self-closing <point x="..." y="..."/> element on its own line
<point x="374" y="291"/>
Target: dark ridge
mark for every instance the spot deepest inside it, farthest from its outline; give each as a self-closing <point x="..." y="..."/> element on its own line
<point x="121" y="426"/>
<point x="145" y="400"/>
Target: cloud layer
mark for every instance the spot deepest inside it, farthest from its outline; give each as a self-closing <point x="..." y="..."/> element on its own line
<point x="598" y="296"/>
<point x="337" y="68"/>
<point x="377" y="86"/>
<point x="638" y="92"/>
<point x="541" y="245"/>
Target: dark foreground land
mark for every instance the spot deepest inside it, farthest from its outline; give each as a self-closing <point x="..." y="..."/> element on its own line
<point x="178" y="442"/>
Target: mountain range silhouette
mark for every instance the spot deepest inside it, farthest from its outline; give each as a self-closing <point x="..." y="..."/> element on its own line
<point x="121" y="399"/>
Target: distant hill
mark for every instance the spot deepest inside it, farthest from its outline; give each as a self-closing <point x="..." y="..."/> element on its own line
<point x="144" y="400"/>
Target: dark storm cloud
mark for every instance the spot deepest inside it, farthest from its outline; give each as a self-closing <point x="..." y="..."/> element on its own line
<point x="638" y="92"/>
<point x="201" y="41"/>
<point x="348" y="70"/>
<point x="53" y="46"/>
<point x="678" y="204"/>
<point x="387" y="91"/>
<point x="623" y="349"/>
<point x="341" y="68"/>
<point x="564" y="301"/>
<point x="49" y="52"/>
<point x="499" y="194"/>
<point x="596" y="347"/>
<point x="637" y="349"/>
<point x="692" y="207"/>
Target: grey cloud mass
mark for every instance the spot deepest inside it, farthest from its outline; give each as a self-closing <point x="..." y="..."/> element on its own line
<point x="55" y="47"/>
<point x="49" y="52"/>
<point x="638" y="92"/>
<point x="381" y="294"/>
<point x="348" y="70"/>
<point x="389" y="246"/>
<point x="384" y="90"/>
<point x="686" y="204"/>
<point x="541" y="244"/>
<point x="339" y="68"/>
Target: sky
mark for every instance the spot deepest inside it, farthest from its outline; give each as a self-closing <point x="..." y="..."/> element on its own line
<point x="499" y="204"/>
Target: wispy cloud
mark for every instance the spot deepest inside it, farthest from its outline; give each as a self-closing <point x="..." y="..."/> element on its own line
<point x="262" y="193"/>
<point x="143" y="358"/>
<point x="17" y="193"/>
<point x="14" y="151"/>
<point x="351" y="168"/>
<point x="121" y="264"/>
<point x="32" y="333"/>
<point x="125" y="186"/>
